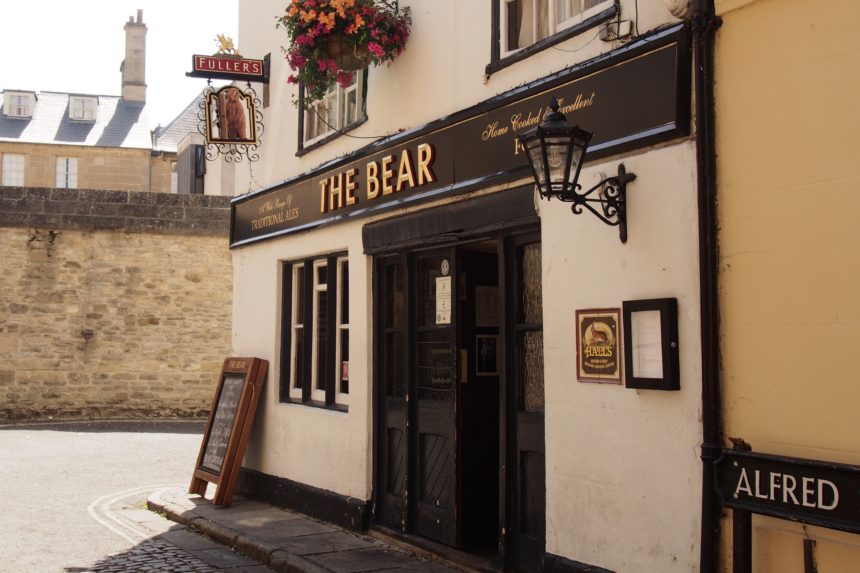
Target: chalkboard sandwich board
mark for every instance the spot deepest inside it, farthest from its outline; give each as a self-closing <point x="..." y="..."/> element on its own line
<point x="228" y="428"/>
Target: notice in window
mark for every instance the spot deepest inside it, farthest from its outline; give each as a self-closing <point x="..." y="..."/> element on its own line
<point x="443" y="300"/>
<point x="647" y="351"/>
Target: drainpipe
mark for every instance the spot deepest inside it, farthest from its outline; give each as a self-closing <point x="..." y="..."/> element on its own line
<point x="704" y="23"/>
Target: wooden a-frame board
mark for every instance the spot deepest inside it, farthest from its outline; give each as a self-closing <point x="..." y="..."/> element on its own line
<point x="228" y="428"/>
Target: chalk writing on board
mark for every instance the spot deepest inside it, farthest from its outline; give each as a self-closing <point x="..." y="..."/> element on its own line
<point x="222" y="423"/>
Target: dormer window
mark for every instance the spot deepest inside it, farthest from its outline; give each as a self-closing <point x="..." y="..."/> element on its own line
<point x="82" y="108"/>
<point x="18" y="104"/>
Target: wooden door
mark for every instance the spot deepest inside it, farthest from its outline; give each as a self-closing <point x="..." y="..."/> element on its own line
<point x="528" y="480"/>
<point x="433" y="441"/>
<point x="392" y="388"/>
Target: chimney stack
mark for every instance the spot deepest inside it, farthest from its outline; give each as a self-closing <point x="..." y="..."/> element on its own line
<point x="134" y="66"/>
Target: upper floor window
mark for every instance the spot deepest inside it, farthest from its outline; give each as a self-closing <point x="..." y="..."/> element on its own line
<point x="315" y="332"/>
<point x="82" y="108"/>
<point x="523" y="24"/>
<point x="340" y="109"/>
<point x="12" y="170"/>
<point x="67" y="173"/>
<point x="19" y="104"/>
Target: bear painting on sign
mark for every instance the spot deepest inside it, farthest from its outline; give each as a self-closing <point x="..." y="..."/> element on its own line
<point x="229" y="116"/>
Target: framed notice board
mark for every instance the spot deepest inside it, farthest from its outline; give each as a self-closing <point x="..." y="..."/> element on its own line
<point x="230" y="420"/>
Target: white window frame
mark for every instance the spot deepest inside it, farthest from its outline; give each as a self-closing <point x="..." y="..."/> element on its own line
<point x="553" y="27"/>
<point x="295" y="327"/>
<point x="340" y="327"/>
<point x="82" y="108"/>
<point x="67" y="173"/>
<point x="336" y="100"/>
<point x="317" y="393"/>
<point x="298" y="331"/>
<point x="13" y="170"/>
<point x="18" y="104"/>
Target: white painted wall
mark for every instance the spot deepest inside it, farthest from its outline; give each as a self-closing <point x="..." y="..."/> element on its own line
<point x="325" y="449"/>
<point x="623" y="467"/>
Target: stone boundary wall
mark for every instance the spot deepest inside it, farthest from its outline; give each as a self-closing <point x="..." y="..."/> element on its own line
<point x="113" y="304"/>
<point x="114" y="210"/>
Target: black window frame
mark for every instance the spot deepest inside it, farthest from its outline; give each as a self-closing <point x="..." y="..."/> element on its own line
<point x="497" y="62"/>
<point x="333" y="330"/>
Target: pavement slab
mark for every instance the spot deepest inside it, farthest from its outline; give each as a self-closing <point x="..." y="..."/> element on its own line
<point x="282" y="540"/>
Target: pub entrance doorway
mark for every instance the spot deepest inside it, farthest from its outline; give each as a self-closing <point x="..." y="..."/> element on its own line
<point x="459" y="456"/>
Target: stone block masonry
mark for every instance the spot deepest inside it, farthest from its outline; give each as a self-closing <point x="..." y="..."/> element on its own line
<point x="112" y="303"/>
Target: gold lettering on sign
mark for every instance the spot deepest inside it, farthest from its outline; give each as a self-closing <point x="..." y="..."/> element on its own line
<point x="351" y="186"/>
<point x="236" y="364"/>
<point x="278" y="212"/>
<point x="372" y="180"/>
<point x="387" y="175"/>
<point x="426" y="157"/>
<point x="521" y="120"/>
<point x="405" y="172"/>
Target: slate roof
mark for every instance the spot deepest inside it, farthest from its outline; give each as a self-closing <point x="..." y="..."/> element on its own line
<point x="168" y="138"/>
<point x="118" y="123"/>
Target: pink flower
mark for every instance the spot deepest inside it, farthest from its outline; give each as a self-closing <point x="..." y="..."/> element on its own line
<point x="376" y="49"/>
<point x="344" y="78"/>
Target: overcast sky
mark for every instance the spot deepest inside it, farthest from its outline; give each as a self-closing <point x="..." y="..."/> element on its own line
<point x="67" y="46"/>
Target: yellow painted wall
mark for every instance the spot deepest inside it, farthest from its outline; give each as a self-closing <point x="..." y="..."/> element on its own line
<point x="787" y="78"/>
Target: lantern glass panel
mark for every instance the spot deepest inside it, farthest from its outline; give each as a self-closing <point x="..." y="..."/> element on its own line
<point x="558" y="158"/>
<point x="535" y="154"/>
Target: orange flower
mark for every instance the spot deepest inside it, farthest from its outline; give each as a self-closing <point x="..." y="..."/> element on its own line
<point x="308" y="16"/>
<point x="359" y="21"/>
<point x="293" y="9"/>
<point x="327" y="19"/>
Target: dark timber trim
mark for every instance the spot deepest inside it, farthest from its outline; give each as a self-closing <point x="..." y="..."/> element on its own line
<point x="343" y="511"/>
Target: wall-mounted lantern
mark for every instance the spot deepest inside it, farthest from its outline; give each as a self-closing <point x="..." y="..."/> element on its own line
<point x="555" y="150"/>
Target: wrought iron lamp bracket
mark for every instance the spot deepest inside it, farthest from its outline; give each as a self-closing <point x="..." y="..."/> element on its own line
<point x="611" y="196"/>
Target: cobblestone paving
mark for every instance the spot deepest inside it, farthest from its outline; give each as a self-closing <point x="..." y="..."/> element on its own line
<point x="150" y="556"/>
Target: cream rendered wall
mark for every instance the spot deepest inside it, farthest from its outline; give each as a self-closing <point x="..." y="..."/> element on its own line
<point x="787" y="76"/>
<point x="623" y="468"/>
<point x="325" y="449"/>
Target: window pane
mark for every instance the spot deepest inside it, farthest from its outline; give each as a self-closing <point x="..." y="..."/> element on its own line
<point x="344" y="361"/>
<point x="542" y="27"/>
<point x="531" y="305"/>
<point x="566" y="9"/>
<point x="531" y="371"/>
<point x="514" y="13"/>
<point x="395" y="305"/>
<point x="67" y="173"/>
<point x="298" y="357"/>
<point x="322" y="339"/>
<point x="344" y="293"/>
<point x="13" y="170"/>
<point x="298" y="294"/>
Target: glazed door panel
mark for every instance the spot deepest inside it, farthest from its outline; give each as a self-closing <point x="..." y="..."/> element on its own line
<point x="529" y="478"/>
<point x="434" y="437"/>
<point x="393" y="428"/>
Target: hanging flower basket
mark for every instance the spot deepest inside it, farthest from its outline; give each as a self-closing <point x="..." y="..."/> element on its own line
<point x="331" y="39"/>
<point x="346" y="55"/>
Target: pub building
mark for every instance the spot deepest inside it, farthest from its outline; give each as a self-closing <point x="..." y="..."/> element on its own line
<point x="510" y="380"/>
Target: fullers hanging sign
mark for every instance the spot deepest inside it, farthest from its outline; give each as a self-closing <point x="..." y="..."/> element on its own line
<point x="227" y="67"/>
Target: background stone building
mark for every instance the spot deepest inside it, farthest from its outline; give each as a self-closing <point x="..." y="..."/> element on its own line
<point x="115" y="300"/>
